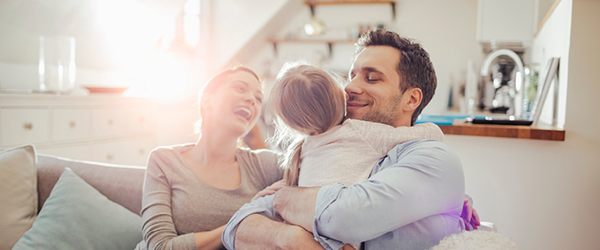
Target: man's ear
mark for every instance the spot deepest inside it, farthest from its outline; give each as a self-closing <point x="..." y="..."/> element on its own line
<point x="412" y="98"/>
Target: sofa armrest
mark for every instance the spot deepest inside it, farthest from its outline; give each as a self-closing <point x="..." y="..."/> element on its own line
<point x="119" y="183"/>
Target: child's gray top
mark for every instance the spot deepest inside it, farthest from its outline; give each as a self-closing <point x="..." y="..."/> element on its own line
<point x="177" y="203"/>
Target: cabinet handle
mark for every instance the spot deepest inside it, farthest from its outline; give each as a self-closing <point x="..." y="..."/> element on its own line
<point x="141" y="151"/>
<point x="110" y="122"/>
<point x="28" y="126"/>
<point x="72" y="124"/>
<point x="110" y="157"/>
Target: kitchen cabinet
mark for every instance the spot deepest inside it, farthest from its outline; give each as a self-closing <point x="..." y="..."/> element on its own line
<point x="103" y="127"/>
<point x="505" y="21"/>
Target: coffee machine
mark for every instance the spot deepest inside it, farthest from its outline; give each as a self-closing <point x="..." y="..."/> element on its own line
<point x="502" y="83"/>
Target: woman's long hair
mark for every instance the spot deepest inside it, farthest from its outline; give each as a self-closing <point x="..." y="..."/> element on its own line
<point x="306" y="100"/>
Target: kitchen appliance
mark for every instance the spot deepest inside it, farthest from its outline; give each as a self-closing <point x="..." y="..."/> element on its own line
<point x="503" y="88"/>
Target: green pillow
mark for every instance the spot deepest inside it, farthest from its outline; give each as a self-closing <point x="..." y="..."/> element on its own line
<point x="77" y="216"/>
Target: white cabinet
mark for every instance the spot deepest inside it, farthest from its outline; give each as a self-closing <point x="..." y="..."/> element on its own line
<point x="108" y="122"/>
<point x="21" y="126"/>
<point x="82" y="152"/>
<point x="134" y="152"/>
<point x="70" y="124"/>
<point x="104" y="128"/>
<point x="505" y="21"/>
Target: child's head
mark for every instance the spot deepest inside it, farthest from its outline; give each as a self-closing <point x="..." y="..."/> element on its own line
<point x="307" y="99"/>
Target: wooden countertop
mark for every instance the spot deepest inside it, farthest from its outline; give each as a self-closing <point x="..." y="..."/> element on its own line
<point x="539" y="132"/>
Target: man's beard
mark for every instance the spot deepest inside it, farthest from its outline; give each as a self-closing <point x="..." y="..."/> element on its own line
<point x="387" y="113"/>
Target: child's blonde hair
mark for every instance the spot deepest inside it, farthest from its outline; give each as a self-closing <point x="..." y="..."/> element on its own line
<point x="306" y="100"/>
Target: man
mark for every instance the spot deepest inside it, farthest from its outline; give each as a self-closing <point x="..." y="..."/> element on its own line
<point x="414" y="196"/>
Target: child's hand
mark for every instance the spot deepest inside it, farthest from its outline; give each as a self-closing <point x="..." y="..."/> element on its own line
<point x="270" y="189"/>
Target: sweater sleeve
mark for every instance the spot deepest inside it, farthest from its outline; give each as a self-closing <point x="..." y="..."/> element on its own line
<point x="383" y="138"/>
<point x="158" y="228"/>
<point x="269" y="165"/>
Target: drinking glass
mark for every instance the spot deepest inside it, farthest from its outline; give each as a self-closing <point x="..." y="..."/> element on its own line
<point x="57" y="64"/>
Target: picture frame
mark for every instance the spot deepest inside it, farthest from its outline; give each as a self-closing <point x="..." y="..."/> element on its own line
<point x="549" y="74"/>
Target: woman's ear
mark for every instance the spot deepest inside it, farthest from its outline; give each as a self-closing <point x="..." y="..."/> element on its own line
<point x="413" y="98"/>
<point x="205" y="103"/>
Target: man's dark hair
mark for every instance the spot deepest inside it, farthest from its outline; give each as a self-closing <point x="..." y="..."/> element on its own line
<point x="414" y="67"/>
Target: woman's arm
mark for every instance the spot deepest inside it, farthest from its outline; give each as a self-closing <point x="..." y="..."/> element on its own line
<point x="209" y="240"/>
<point x="158" y="228"/>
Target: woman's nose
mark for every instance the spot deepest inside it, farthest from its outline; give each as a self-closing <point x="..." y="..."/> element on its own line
<point x="250" y="99"/>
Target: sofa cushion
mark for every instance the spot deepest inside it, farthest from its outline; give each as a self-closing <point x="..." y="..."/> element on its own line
<point x="77" y="216"/>
<point x="18" y="195"/>
<point x="119" y="183"/>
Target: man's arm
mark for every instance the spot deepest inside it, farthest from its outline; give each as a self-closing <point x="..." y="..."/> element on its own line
<point x="259" y="232"/>
<point x="417" y="180"/>
<point x="255" y="226"/>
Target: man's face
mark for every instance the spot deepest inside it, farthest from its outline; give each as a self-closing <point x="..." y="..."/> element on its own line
<point x="374" y="88"/>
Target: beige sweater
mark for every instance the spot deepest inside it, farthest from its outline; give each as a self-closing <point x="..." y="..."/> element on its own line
<point x="176" y="203"/>
<point x="347" y="153"/>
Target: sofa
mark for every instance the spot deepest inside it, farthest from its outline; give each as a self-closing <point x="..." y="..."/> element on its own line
<point x="119" y="183"/>
<point x="80" y="204"/>
<point x="92" y="205"/>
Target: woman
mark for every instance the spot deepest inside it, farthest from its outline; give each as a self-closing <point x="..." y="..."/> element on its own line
<point x="191" y="191"/>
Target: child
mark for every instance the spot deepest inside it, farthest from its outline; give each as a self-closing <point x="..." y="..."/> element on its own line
<point x="307" y="101"/>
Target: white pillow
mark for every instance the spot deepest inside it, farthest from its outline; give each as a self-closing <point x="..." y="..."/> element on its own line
<point x="18" y="193"/>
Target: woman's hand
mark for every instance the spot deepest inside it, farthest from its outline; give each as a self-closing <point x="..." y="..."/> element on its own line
<point x="270" y="189"/>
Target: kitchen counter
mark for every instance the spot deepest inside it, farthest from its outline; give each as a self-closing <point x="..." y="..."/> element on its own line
<point x="538" y="132"/>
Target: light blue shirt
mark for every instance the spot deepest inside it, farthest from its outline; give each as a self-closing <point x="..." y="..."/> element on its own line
<point x="412" y="200"/>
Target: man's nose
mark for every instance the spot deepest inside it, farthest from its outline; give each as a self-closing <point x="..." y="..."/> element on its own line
<point x="353" y="88"/>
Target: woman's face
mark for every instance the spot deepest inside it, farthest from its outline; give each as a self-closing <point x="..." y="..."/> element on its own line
<point x="236" y="104"/>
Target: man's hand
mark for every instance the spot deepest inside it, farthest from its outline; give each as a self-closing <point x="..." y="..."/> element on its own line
<point x="270" y="189"/>
<point x="296" y="205"/>
<point x="469" y="215"/>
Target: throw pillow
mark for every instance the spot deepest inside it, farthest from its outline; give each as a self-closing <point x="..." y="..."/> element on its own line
<point x="77" y="216"/>
<point x="18" y="194"/>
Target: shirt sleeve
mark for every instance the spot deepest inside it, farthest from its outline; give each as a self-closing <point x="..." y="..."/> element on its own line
<point x="263" y="206"/>
<point x="384" y="137"/>
<point x="418" y="179"/>
<point x="158" y="228"/>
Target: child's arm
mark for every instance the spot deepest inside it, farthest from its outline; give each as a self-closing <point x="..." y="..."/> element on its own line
<point x="384" y="137"/>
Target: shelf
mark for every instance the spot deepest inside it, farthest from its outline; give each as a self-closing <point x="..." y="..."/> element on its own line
<point x="538" y="132"/>
<point x="332" y="41"/>
<point x="329" y="42"/>
<point x="313" y="3"/>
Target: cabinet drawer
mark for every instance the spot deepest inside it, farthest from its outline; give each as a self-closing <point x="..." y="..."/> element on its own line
<point x="77" y="153"/>
<point x="127" y="152"/>
<point x="20" y="126"/>
<point x="108" y="122"/>
<point x="140" y="121"/>
<point x="70" y="124"/>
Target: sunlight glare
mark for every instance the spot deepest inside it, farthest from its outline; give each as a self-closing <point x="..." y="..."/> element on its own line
<point x="130" y="29"/>
<point x="166" y="77"/>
